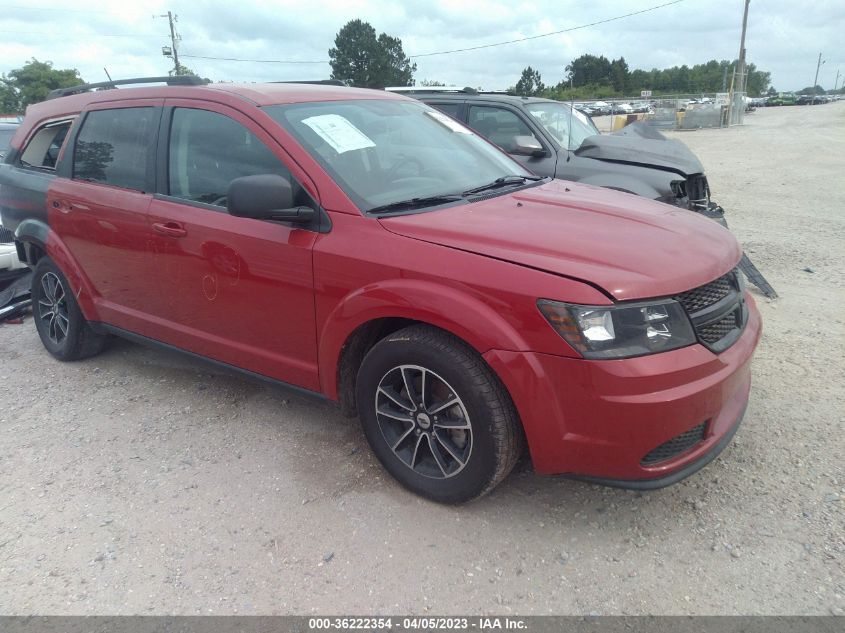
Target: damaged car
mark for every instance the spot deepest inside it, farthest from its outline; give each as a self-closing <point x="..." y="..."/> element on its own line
<point x="554" y="140"/>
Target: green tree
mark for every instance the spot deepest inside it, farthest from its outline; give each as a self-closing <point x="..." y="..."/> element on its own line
<point x="33" y="82"/>
<point x="810" y="90"/>
<point x="180" y="70"/>
<point x="588" y="69"/>
<point x="619" y="75"/>
<point x="366" y="61"/>
<point x="429" y="83"/>
<point x="8" y="97"/>
<point x="530" y="83"/>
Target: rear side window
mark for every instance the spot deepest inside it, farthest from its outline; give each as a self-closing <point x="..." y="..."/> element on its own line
<point x="43" y="149"/>
<point x="112" y="147"/>
<point x="448" y="108"/>
<point x="209" y="150"/>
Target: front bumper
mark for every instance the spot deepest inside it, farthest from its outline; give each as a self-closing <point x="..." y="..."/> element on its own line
<point x="599" y="419"/>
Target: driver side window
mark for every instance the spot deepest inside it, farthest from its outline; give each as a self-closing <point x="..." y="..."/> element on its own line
<point x="499" y="126"/>
<point x="209" y="150"/>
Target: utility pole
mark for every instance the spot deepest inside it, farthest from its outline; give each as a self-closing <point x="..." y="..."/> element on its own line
<point x="836" y="83"/>
<point x="741" y="63"/>
<point x="736" y="106"/>
<point x="816" y="80"/>
<point x="173" y="37"/>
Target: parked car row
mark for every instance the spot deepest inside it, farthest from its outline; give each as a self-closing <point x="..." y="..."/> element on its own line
<point x="603" y="108"/>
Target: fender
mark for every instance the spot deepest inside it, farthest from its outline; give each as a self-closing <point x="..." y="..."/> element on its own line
<point x="417" y="300"/>
<point x="621" y="182"/>
<point x="32" y="232"/>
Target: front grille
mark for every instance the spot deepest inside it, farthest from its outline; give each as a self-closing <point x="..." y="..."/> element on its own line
<point x="6" y="235"/>
<point x="717" y="311"/>
<point x="708" y="294"/>
<point x="714" y="332"/>
<point x="677" y="445"/>
<point x="698" y="192"/>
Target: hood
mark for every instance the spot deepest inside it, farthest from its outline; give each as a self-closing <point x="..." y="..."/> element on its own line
<point x="631" y="247"/>
<point x="641" y="144"/>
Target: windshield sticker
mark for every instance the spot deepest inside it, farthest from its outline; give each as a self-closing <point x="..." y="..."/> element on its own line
<point x="447" y="121"/>
<point x="338" y="132"/>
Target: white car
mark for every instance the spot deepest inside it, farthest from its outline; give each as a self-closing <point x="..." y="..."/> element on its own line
<point x="8" y="253"/>
<point x="14" y="282"/>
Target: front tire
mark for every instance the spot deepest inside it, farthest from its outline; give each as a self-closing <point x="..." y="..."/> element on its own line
<point x="436" y="416"/>
<point x="63" y="330"/>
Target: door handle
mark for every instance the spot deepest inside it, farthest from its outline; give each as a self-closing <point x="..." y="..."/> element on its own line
<point x="170" y="229"/>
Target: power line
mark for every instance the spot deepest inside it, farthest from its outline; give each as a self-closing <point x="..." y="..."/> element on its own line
<point x="50" y="9"/>
<point x="536" y="37"/>
<point x="456" y="50"/>
<point x="65" y="34"/>
<point x="255" y="61"/>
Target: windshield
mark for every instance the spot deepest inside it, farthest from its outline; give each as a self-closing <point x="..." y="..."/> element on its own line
<point x="556" y="117"/>
<point x="384" y="151"/>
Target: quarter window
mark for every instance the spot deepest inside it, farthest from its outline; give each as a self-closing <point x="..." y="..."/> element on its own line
<point x="499" y="126"/>
<point x="43" y="149"/>
<point x="113" y="146"/>
<point x="209" y="150"/>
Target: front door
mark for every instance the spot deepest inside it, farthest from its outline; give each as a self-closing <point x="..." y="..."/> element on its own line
<point x="501" y="126"/>
<point x="233" y="289"/>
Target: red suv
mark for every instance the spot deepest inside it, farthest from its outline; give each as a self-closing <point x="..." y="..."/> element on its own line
<point x="366" y="248"/>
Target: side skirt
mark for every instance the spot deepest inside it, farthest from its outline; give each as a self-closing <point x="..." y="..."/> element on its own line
<point x="105" y="328"/>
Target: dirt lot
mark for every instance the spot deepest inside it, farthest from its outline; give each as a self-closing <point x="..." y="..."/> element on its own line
<point x="141" y="482"/>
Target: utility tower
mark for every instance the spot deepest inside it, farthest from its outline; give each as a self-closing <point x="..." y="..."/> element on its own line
<point x="172" y="50"/>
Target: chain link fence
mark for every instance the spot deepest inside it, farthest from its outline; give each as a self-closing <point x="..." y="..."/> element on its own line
<point x="671" y="112"/>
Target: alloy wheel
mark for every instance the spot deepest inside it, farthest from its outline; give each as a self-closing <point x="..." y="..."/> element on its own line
<point x="52" y="308"/>
<point x="424" y="421"/>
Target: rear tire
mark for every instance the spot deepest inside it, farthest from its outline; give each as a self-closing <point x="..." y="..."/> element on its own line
<point x="436" y="416"/>
<point x="63" y="330"/>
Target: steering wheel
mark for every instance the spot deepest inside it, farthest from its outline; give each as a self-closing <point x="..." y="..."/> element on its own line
<point x="402" y="162"/>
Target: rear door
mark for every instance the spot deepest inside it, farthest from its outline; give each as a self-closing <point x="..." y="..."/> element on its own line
<point x="99" y="203"/>
<point x="237" y="290"/>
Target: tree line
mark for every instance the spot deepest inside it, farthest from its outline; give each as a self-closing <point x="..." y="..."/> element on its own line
<point x="597" y="76"/>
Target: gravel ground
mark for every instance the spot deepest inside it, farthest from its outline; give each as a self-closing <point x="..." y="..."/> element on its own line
<point x="140" y="482"/>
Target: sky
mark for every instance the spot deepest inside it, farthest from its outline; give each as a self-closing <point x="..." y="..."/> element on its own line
<point x="784" y="37"/>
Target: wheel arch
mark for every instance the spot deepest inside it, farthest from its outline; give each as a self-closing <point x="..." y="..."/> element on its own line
<point x="34" y="239"/>
<point x="367" y="316"/>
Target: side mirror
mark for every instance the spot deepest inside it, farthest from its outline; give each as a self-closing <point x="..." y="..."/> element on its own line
<point x="265" y="197"/>
<point x="527" y="146"/>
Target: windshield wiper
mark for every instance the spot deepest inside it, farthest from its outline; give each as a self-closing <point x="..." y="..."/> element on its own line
<point x="502" y="182"/>
<point x="416" y="203"/>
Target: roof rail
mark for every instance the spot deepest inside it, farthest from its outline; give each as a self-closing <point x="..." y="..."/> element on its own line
<point x="177" y="80"/>
<point x="421" y="89"/>
<point x="324" y="82"/>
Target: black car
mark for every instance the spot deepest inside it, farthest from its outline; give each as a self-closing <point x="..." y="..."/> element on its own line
<point x="555" y="140"/>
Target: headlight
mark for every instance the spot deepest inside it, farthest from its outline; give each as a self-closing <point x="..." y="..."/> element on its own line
<point x="620" y="331"/>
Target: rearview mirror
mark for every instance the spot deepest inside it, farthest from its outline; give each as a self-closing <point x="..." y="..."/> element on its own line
<point x="265" y="197"/>
<point x="527" y="146"/>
